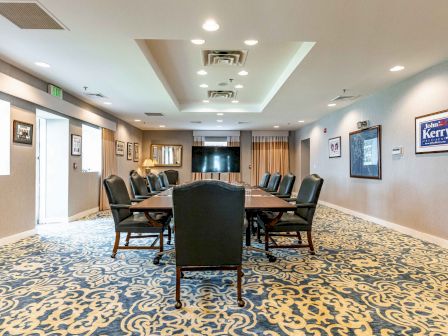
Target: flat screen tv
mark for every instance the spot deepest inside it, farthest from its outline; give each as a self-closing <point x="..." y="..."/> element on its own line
<point x="206" y="159"/>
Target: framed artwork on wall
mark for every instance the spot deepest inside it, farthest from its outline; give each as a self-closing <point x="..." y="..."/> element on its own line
<point x="76" y="145"/>
<point x="334" y="147"/>
<point x="23" y="132"/>
<point x="365" y="153"/>
<point x="431" y="133"/>
<point x="136" y="152"/>
<point x="130" y="151"/>
<point x="119" y="148"/>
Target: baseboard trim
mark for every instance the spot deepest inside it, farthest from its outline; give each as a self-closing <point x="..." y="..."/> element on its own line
<point x="400" y="228"/>
<point x="83" y="214"/>
<point x="16" y="237"/>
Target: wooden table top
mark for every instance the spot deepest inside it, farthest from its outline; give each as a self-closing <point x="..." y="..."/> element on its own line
<point x="256" y="199"/>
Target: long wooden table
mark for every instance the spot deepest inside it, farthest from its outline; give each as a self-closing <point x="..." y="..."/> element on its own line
<point x="256" y="200"/>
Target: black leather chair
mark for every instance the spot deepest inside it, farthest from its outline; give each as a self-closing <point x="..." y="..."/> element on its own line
<point x="264" y="180"/>
<point x="164" y="180"/>
<point x="209" y="223"/>
<point x="128" y="222"/>
<point x="154" y="183"/>
<point x="301" y="220"/>
<point x="138" y="186"/>
<point x="274" y="182"/>
<point x="286" y="185"/>
<point x="173" y="176"/>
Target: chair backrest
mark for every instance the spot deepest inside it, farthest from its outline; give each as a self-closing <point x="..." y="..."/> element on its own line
<point x="153" y="182"/>
<point x="173" y="176"/>
<point x="138" y="184"/>
<point x="117" y="194"/>
<point x="164" y="180"/>
<point x="286" y="185"/>
<point x="264" y="180"/>
<point x="274" y="182"/>
<point x="208" y="219"/>
<point x="309" y="193"/>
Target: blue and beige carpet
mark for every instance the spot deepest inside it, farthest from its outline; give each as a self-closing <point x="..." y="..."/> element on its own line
<point x="364" y="280"/>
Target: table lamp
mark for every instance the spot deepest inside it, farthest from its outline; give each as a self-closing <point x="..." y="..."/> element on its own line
<point x="147" y="164"/>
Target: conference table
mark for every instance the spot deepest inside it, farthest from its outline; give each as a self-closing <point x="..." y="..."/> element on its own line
<point x="256" y="200"/>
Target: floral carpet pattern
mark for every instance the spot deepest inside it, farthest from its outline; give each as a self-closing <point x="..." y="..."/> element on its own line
<point x="364" y="280"/>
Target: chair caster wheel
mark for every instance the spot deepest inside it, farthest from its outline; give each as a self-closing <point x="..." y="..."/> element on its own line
<point x="312" y="253"/>
<point x="272" y="258"/>
<point x="156" y="261"/>
<point x="113" y="255"/>
<point x="182" y="275"/>
<point x="259" y="241"/>
<point x="241" y="303"/>
<point x="178" y="305"/>
<point x="126" y="244"/>
<point x="168" y="242"/>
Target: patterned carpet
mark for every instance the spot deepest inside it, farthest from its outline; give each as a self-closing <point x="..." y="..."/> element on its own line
<point x="364" y="280"/>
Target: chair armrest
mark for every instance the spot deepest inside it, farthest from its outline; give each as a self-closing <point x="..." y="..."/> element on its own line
<point x="141" y="197"/>
<point x="275" y="193"/>
<point x="120" y="206"/>
<point x="284" y="197"/>
<point x="289" y="199"/>
<point x="305" y="205"/>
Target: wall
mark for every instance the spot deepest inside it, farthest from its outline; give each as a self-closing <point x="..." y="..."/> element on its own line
<point x="411" y="192"/>
<point x="17" y="206"/>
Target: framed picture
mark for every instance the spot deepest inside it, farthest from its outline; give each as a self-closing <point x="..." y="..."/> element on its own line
<point x="334" y="147"/>
<point x="130" y="151"/>
<point x="365" y="153"/>
<point x="119" y="148"/>
<point x="23" y="132"/>
<point x="431" y="133"/>
<point x="76" y="145"/>
<point x="136" y="152"/>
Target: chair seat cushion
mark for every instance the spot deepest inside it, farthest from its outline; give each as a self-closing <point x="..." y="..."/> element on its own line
<point x="139" y="223"/>
<point x="288" y="222"/>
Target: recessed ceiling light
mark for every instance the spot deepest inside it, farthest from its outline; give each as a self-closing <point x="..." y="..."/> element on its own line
<point x="42" y="64"/>
<point x="162" y="126"/>
<point x="276" y="126"/>
<point x="239" y="86"/>
<point x="301" y="121"/>
<point x="137" y="120"/>
<point x="206" y="101"/>
<point x="219" y="120"/>
<point x="198" y="41"/>
<point x="235" y="101"/>
<point x="219" y="114"/>
<point x="396" y="68"/>
<point x="243" y="73"/>
<point x="202" y="72"/>
<point x="250" y="42"/>
<point x="107" y="103"/>
<point x="203" y="86"/>
<point x="331" y="104"/>
<point x="210" y="25"/>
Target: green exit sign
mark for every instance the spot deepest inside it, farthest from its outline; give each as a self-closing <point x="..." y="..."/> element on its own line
<point x="55" y="91"/>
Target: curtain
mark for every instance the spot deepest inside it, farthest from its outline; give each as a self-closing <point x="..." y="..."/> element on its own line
<point x="269" y="153"/>
<point x="109" y="163"/>
<point x="233" y="141"/>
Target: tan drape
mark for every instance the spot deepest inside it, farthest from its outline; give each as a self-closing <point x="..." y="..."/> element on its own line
<point x="233" y="141"/>
<point x="109" y="163"/>
<point x="269" y="153"/>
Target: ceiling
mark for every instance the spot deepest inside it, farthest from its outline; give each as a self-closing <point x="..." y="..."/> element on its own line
<point x="139" y="56"/>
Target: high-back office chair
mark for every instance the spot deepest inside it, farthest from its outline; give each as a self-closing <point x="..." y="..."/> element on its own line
<point x="209" y="219"/>
<point x="164" y="180"/>
<point x="264" y="180"/>
<point x="128" y="222"/>
<point x="138" y="186"/>
<point x="273" y="183"/>
<point x="300" y="220"/>
<point x="173" y="176"/>
<point x="154" y="183"/>
<point x="286" y="185"/>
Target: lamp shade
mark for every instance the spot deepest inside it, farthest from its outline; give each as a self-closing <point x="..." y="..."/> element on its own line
<point x="148" y="163"/>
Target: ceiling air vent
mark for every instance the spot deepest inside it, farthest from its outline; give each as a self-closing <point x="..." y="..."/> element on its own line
<point x="242" y="122"/>
<point x="344" y="97"/>
<point x="224" y="57"/>
<point x="28" y="15"/>
<point x="95" y="94"/>
<point x="196" y="122"/>
<point x="221" y="94"/>
<point x="150" y="114"/>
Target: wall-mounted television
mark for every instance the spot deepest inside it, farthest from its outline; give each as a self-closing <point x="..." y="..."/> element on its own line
<point x="206" y="159"/>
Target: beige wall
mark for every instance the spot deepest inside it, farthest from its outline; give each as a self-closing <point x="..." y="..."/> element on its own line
<point x="18" y="190"/>
<point x="412" y="190"/>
